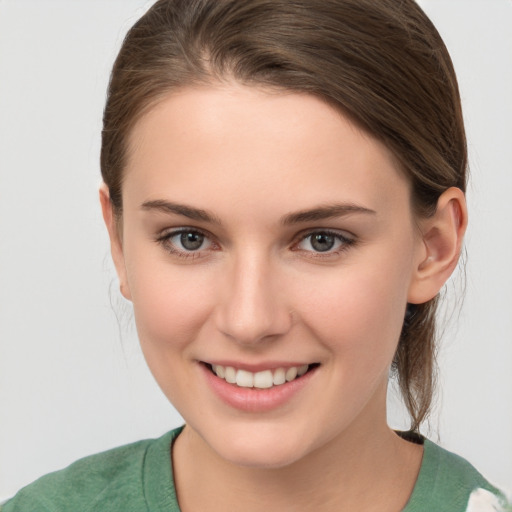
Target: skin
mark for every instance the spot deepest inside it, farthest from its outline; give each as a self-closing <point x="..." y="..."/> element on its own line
<point x="257" y="292"/>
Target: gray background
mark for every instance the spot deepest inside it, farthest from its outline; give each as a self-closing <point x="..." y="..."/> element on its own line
<point x="70" y="382"/>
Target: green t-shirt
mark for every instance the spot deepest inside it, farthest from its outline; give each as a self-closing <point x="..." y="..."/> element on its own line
<point x="138" y="478"/>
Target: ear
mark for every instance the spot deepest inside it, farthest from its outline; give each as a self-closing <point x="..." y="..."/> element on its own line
<point x="441" y="244"/>
<point x="116" y="244"/>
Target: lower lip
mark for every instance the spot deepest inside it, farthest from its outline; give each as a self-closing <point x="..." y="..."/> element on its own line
<point x="253" y="399"/>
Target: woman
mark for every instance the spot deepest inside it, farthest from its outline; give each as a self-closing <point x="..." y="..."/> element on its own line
<point x="284" y="193"/>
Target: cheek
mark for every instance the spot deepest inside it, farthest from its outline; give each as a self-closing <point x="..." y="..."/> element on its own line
<point x="171" y="304"/>
<point x="170" y="309"/>
<point x="358" y="312"/>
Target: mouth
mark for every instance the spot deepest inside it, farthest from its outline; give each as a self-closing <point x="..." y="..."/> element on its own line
<point x="264" y="379"/>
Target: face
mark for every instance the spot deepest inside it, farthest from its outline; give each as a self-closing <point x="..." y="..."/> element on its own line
<point x="269" y="249"/>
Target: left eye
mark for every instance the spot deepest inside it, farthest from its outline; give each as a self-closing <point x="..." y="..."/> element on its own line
<point x="323" y="241"/>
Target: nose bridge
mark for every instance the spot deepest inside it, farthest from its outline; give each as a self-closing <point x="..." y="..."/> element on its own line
<point x="252" y="307"/>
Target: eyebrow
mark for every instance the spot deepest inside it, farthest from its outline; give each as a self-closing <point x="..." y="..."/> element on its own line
<point x="181" y="209"/>
<point x="328" y="211"/>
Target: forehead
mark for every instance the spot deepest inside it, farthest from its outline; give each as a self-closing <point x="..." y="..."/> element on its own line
<point x="250" y="143"/>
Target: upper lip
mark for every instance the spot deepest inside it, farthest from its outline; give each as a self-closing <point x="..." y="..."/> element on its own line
<point x="257" y="367"/>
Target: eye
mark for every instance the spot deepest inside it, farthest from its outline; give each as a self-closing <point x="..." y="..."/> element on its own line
<point x="324" y="242"/>
<point x="185" y="242"/>
<point x="189" y="240"/>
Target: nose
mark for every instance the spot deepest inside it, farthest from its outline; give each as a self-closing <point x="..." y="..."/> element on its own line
<point x="253" y="306"/>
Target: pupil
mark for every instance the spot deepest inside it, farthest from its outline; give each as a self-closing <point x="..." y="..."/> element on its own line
<point x="322" y="242"/>
<point x="192" y="241"/>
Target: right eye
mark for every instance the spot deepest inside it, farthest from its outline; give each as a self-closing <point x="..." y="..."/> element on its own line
<point x="185" y="243"/>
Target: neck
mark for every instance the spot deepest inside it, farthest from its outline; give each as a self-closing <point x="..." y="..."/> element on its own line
<point x="354" y="471"/>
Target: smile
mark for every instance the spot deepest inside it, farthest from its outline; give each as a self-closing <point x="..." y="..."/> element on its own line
<point x="262" y="390"/>
<point x="261" y="380"/>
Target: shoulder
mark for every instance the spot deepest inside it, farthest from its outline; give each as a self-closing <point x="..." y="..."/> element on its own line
<point x="448" y="482"/>
<point x="453" y="469"/>
<point x="92" y="483"/>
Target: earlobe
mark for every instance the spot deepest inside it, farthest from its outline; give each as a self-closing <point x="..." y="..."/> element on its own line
<point x="116" y="246"/>
<point x="442" y="237"/>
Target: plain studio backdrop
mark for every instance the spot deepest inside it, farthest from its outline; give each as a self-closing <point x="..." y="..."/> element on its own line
<point x="71" y="382"/>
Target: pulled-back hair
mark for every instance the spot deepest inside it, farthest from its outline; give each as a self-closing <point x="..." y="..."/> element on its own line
<point x="381" y="63"/>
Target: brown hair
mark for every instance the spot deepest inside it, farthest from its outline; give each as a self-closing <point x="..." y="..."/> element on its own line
<point x="382" y="63"/>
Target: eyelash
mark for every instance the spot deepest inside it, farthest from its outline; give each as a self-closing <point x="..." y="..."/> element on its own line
<point x="165" y="241"/>
<point x="344" y="243"/>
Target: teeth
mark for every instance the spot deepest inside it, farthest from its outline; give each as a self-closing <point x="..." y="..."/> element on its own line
<point x="279" y="377"/>
<point x="261" y="380"/>
<point x="229" y="374"/>
<point x="244" y="379"/>
<point x="219" y="370"/>
<point x="301" y="370"/>
<point x="291" y="373"/>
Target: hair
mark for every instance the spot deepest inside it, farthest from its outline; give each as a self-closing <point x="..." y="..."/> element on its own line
<point x="381" y="63"/>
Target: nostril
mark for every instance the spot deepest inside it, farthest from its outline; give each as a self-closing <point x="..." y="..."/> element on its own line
<point x="252" y="307"/>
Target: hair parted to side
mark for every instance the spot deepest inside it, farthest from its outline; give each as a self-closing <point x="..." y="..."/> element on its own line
<point x="382" y="63"/>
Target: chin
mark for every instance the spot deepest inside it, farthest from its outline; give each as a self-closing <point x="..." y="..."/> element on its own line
<point x="260" y="457"/>
<point x="260" y="446"/>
